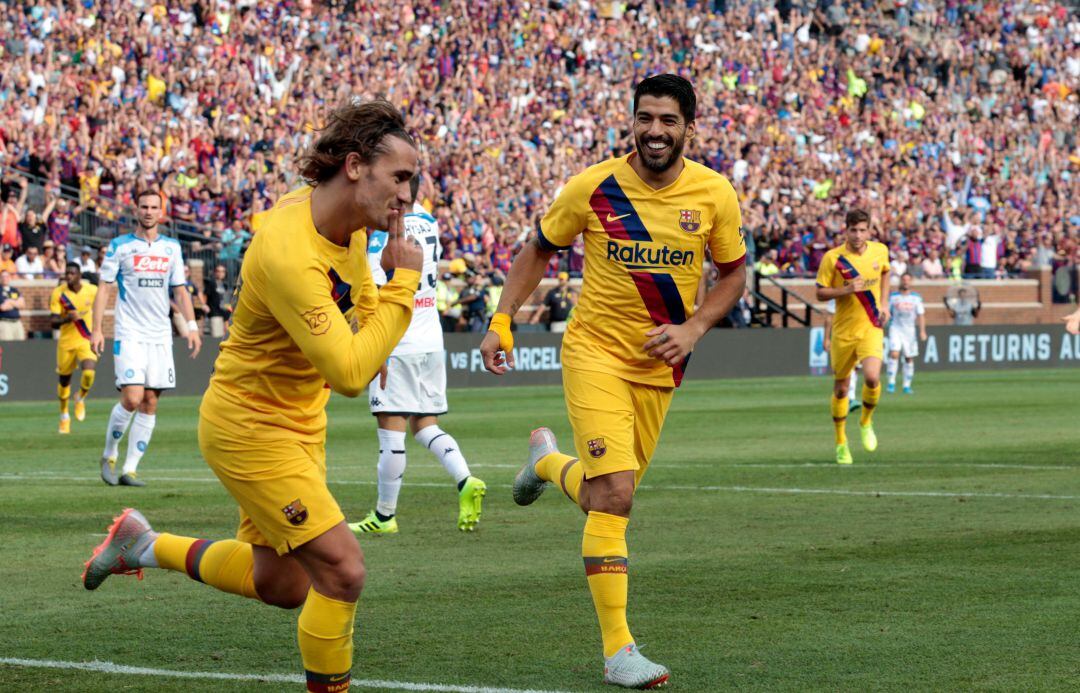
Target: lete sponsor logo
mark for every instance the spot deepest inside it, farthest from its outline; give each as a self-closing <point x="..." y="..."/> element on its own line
<point x="151" y="263"/>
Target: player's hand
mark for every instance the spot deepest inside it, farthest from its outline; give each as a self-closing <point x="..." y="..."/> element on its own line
<point x="884" y="315"/>
<point x="382" y="376"/>
<point x="1072" y="323"/>
<point x="922" y="336"/>
<point x="97" y="342"/>
<point x="497" y="348"/>
<point x="857" y="284"/>
<point x="826" y="344"/>
<point x="671" y="343"/>
<point x="401" y="250"/>
<point x="194" y="343"/>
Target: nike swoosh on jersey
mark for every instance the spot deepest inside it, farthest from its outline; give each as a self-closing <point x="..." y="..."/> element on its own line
<point x="611" y="218"/>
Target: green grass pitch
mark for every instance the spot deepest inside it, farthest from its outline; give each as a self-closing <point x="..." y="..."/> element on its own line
<point x="947" y="560"/>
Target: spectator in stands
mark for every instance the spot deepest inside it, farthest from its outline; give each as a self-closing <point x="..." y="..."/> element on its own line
<point x="473" y="302"/>
<point x="198" y="304"/>
<point x="87" y="265"/>
<point x="55" y="265"/>
<point x="558" y="304"/>
<point x="29" y="266"/>
<point x="931" y="266"/>
<point x="11" y="215"/>
<point x="6" y="262"/>
<point x="11" y="302"/>
<point x="742" y="314"/>
<point x="446" y="301"/>
<point x="33" y="230"/>
<point x="218" y="295"/>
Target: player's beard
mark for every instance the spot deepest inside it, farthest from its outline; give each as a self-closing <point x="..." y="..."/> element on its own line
<point x="660" y="164"/>
<point x="146" y="227"/>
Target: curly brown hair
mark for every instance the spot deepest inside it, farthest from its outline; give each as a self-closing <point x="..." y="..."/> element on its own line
<point x="362" y="128"/>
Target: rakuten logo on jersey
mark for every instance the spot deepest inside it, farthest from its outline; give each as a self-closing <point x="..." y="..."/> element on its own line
<point x="155" y="264"/>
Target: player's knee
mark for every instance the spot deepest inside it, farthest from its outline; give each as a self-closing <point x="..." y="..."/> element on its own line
<point x="347" y="580"/>
<point x="282" y="594"/>
<point x="612" y="500"/>
<point x="872" y="380"/>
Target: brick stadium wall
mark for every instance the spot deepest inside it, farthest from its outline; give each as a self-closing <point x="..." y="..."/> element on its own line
<point x="1004" y="302"/>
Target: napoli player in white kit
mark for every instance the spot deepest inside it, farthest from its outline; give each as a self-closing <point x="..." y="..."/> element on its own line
<point x="908" y="312"/>
<point x="145" y="267"/>
<point x="412" y="389"/>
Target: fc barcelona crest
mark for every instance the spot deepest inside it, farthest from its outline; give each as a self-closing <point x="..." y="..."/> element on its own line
<point x="597" y="447"/>
<point x="690" y="220"/>
<point x="295" y="512"/>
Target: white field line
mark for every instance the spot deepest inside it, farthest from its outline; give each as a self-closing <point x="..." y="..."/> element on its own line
<point x="648" y="487"/>
<point x="738" y="465"/>
<point x="111" y="668"/>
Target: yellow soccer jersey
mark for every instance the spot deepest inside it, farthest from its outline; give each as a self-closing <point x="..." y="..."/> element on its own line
<point x="859" y="312"/>
<point x="295" y="333"/>
<point x="64" y="300"/>
<point x="644" y="250"/>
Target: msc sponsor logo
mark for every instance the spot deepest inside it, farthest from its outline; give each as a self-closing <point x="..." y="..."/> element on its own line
<point x="151" y="282"/>
<point x="640" y="256"/>
<point x="295" y="513"/>
<point x="425" y="302"/>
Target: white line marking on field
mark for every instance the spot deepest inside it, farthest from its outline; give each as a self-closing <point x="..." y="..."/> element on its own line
<point x="647" y="487"/>
<point x="111" y="668"/>
<point x="850" y="492"/>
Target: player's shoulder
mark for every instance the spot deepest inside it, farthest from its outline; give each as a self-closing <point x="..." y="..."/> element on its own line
<point x="832" y="253"/>
<point x="56" y="292"/>
<point x="584" y="183"/>
<point x="120" y="241"/>
<point x="879" y="247"/>
<point x="697" y="171"/>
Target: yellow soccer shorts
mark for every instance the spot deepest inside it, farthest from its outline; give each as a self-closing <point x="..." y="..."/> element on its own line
<point x="846" y="353"/>
<point x="279" y="484"/>
<point x="616" y="422"/>
<point x="68" y="357"/>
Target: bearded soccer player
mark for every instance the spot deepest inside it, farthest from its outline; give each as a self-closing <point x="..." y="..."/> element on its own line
<point x="70" y="306"/>
<point x="308" y="319"/>
<point x="853" y="275"/>
<point x="146" y="267"/>
<point x="647" y="218"/>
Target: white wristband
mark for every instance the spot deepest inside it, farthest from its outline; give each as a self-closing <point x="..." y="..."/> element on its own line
<point x="192" y="326"/>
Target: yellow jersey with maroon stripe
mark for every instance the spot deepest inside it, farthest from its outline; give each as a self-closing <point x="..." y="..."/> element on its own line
<point x="295" y="332"/>
<point x="859" y="312"/>
<point x="62" y="301"/>
<point x="644" y="250"/>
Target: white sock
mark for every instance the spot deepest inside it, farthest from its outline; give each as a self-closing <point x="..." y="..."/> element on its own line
<point x="138" y="440"/>
<point x="148" y="559"/>
<point x="909" y="373"/>
<point x="118" y="423"/>
<point x="892" y="366"/>
<point x="853" y="387"/>
<point x="391" y="470"/>
<point x="442" y="445"/>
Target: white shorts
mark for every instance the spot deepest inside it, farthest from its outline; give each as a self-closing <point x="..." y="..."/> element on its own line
<point x="415" y="385"/>
<point x="141" y="363"/>
<point x="905" y="341"/>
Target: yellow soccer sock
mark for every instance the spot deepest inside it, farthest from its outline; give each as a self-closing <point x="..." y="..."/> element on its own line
<point x="86" y="381"/>
<point x="64" y="393"/>
<point x="839" y="408"/>
<point x="227" y="565"/>
<point x="325" y="633"/>
<point x="603" y="547"/>
<point x="870" y="397"/>
<point x="563" y="470"/>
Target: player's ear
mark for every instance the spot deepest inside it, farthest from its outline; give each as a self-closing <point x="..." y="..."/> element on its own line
<point x="691" y="129"/>
<point x="353" y="166"/>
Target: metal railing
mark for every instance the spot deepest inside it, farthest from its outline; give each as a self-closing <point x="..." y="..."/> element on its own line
<point x="771" y="307"/>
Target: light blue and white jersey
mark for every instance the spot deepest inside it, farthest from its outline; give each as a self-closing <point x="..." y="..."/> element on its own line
<point x="145" y="273"/>
<point x="425" y="331"/>
<point x="904" y="309"/>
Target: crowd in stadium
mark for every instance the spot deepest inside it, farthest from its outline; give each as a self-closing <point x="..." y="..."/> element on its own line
<point x="954" y="123"/>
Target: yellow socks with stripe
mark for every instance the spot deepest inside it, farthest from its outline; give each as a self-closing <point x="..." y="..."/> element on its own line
<point x="839" y="408"/>
<point x="227" y="564"/>
<point x="325" y="634"/>
<point x="603" y="547"/>
<point x="64" y="393"/>
<point x="870" y="397"/>
<point x="564" y="471"/>
<point x="86" y="381"/>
